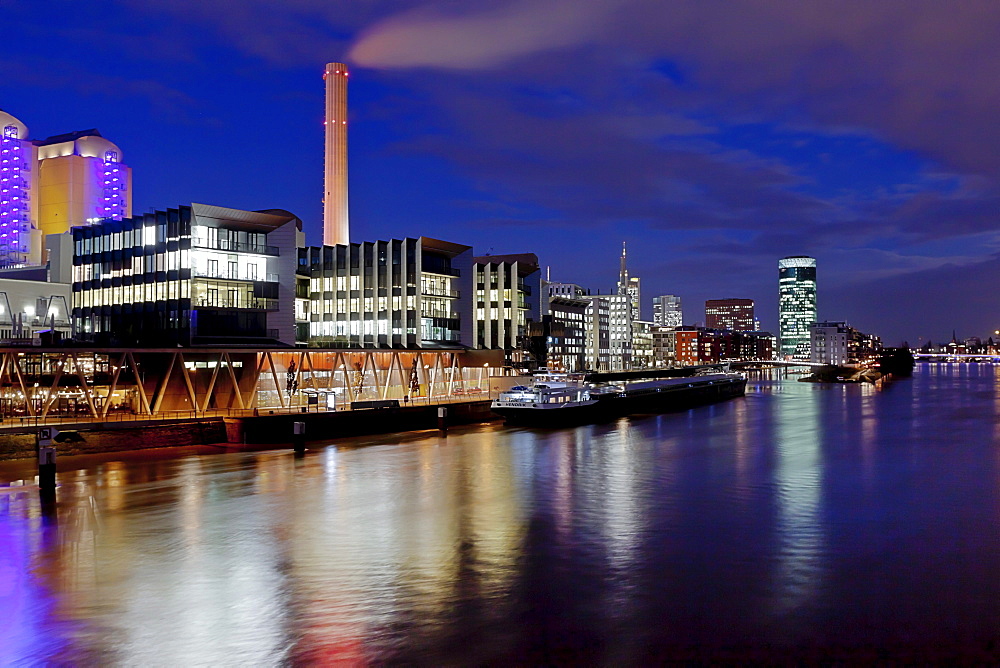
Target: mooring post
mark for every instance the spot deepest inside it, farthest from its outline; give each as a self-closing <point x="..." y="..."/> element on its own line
<point x="443" y="418"/>
<point x="46" y="468"/>
<point x="299" y="437"/>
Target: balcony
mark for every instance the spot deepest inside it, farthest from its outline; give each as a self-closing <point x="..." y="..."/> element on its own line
<point x="254" y="304"/>
<point x="232" y="246"/>
<point x="436" y="313"/>
<point x="227" y="276"/>
<point x="432" y="292"/>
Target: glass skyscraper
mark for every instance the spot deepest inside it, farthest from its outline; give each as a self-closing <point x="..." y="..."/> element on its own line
<point x="796" y="304"/>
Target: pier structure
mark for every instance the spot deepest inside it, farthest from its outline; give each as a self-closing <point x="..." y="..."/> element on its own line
<point x="56" y="385"/>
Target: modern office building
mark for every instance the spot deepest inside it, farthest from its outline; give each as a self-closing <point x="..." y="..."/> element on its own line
<point x="796" y="304"/>
<point x="194" y="275"/>
<point x="400" y="293"/>
<point x="597" y="334"/>
<point x="20" y="238"/>
<point x="508" y="295"/>
<point x="667" y="311"/>
<point x="336" y="229"/>
<point x="664" y="346"/>
<point x="642" y="344"/>
<point x="567" y="335"/>
<point x="81" y="180"/>
<point x="734" y="314"/>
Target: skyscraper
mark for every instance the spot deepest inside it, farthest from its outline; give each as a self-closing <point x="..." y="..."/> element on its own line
<point x="733" y="314"/>
<point x="796" y="304"/>
<point x="335" y="222"/>
<point x="629" y="285"/>
<point x="667" y="311"/>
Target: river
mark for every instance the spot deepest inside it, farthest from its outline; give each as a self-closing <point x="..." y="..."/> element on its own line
<point x="801" y="522"/>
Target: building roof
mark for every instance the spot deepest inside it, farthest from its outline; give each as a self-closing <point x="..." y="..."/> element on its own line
<point x="527" y="259"/>
<point x="69" y="136"/>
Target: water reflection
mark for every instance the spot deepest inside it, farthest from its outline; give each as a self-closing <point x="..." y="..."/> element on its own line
<point x="798" y="520"/>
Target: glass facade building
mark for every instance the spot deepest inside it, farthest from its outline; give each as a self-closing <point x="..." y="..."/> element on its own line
<point x="667" y="311"/>
<point x="194" y="275"/>
<point x="796" y="304"/>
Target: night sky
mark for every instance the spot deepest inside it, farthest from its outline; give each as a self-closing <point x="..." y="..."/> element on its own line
<point x="714" y="137"/>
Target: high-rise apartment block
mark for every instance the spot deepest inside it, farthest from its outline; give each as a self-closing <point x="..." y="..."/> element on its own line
<point x="732" y="314"/>
<point x="667" y="311"/>
<point x="336" y="230"/>
<point x="796" y="304"/>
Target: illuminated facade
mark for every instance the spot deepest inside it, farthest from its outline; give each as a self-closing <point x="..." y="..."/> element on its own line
<point x="734" y="314"/>
<point x="336" y="230"/>
<point x="401" y="293"/>
<point x="598" y="334"/>
<point x="20" y="238"/>
<point x="508" y="290"/>
<point x="667" y="311"/>
<point x="567" y="343"/>
<point x="30" y="308"/>
<point x="796" y="304"/>
<point x="194" y="275"/>
<point x="81" y="179"/>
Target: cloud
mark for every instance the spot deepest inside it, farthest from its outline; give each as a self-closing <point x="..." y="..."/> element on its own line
<point x="431" y="37"/>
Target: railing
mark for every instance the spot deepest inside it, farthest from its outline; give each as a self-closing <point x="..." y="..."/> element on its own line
<point x="430" y="292"/>
<point x="234" y="246"/>
<point x="257" y="303"/>
<point x="427" y="313"/>
<point x="225" y="275"/>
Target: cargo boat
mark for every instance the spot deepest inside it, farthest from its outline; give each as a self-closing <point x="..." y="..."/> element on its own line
<point x="552" y="400"/>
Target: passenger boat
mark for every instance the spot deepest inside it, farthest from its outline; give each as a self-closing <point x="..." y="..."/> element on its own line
<point x="553" y="399"/>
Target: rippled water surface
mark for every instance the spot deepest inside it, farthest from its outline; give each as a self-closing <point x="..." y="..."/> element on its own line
<point x="801" y="522"/>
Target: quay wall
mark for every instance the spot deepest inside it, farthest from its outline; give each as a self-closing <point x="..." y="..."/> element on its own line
<point x="118" y="438"/>
<point x="326" y="426"/>
<point x="264" y="429"/>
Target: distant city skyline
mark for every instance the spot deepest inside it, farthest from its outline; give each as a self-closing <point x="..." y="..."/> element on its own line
<point x="709" y="171"/>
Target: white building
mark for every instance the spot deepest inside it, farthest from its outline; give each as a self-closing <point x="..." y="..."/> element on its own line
<point x="667" y="311"/>
<point x="31" y="307"/>
<point x="829" y="342"/>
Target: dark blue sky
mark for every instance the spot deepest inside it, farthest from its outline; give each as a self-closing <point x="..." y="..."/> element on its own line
<point x="715" y="137"/>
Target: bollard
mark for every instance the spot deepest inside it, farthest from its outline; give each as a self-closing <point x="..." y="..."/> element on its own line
<point x="443" y="419"/>
<point x="299" y="437"/>
<point x="47" y="468"/>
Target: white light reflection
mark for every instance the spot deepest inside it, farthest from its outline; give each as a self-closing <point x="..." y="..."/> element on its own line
<point x="799" y="485"/>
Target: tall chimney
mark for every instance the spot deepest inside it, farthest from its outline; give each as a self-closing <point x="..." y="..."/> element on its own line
<point x="335" y="224"/>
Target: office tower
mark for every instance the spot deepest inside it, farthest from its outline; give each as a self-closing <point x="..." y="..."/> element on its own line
<point x="667" y="311"/>
<point x="194" y="275"/>
<point x="796" y="304"/>
<point x="629" y="285"/>
<point x="733" y="314"/>
<point x="20" y="239"/>
<point x="81" y="179"/>
<point x="335" y="223"/>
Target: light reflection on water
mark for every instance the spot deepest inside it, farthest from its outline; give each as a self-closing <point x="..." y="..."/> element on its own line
<point x="801" y="521"/>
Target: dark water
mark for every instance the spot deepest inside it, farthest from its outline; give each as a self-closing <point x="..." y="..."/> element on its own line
<point x="802" y="522"/>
